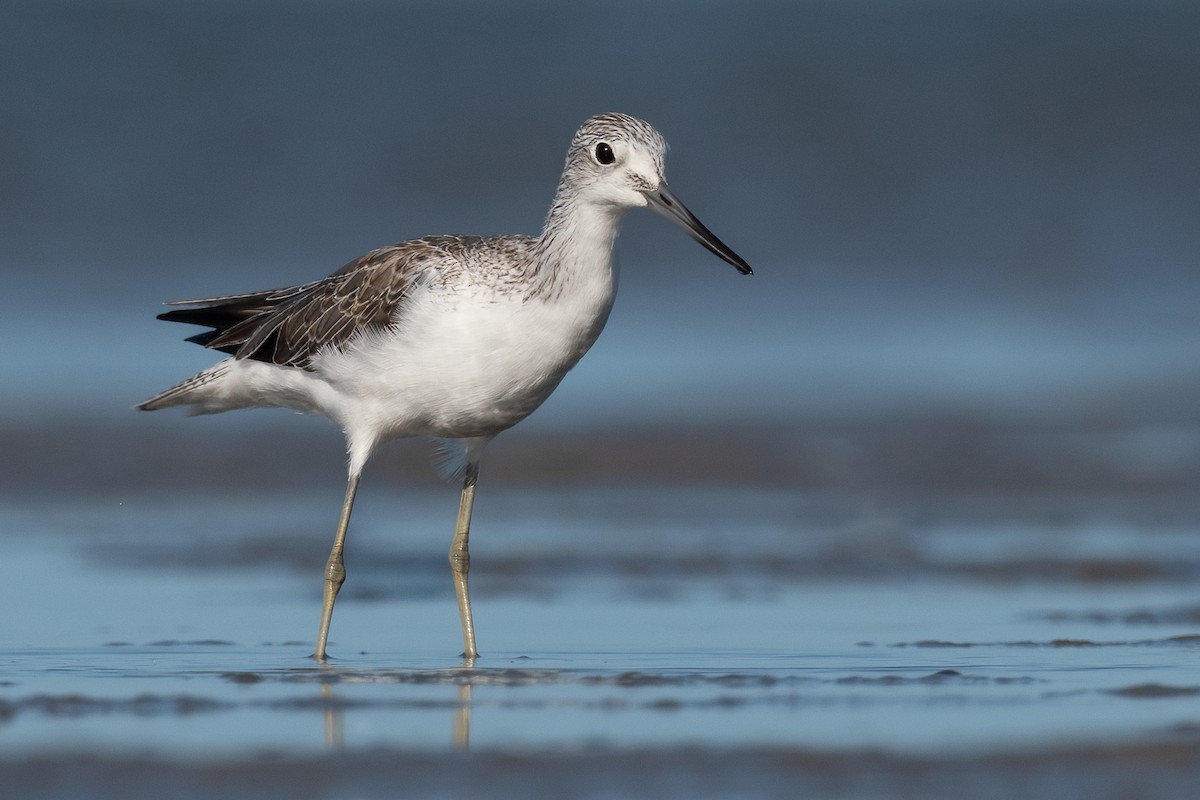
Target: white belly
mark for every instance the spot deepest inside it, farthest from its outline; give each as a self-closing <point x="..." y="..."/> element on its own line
<point x="459" y="367"/>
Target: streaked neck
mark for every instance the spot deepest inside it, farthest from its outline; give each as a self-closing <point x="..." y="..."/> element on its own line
<point x="576" y="244"/>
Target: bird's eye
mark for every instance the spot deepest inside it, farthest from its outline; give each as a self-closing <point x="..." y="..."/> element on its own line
<point x="604" y="153"/>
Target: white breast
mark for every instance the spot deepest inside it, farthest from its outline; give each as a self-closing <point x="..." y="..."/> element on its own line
<point x="465" y="363"/>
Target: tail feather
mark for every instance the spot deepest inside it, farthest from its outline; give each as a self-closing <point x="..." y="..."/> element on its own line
<point x="189" y="392"/>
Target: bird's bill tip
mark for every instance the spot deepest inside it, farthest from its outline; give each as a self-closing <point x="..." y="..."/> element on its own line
<point x="666" y="203"/>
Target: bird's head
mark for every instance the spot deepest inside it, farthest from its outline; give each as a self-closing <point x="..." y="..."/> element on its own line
<point x="617" y="161"/>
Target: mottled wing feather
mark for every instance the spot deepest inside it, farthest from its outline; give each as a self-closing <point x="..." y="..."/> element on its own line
<point x="290" y="326"/>
<point x="364" y="295"/>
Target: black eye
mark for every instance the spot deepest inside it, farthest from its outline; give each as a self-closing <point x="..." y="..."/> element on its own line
<point x="604" y="153"/>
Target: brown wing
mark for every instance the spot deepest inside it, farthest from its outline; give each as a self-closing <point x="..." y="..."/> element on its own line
<point x="289" y="326"/>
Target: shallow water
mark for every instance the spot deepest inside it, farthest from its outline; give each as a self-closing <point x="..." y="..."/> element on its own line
<point x="170" y="634"/>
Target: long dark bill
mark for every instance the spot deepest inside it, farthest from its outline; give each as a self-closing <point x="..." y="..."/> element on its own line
<point x="667" y="204"/>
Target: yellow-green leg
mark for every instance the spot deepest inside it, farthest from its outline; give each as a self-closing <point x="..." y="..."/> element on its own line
<point x="335" y="569"/>
<point x="460" y="562"/>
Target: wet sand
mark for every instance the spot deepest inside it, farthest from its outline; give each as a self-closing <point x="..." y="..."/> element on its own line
<point x="1167" y="769"/>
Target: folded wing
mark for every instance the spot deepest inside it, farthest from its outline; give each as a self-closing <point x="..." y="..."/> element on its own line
<point x="290" y="326"/>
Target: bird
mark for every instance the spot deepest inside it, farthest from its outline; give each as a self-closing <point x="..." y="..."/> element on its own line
<point x="453" y="338"/>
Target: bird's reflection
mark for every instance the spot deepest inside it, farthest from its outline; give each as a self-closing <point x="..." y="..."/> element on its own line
<point x="462" y="715"/>
<point x="335" y="730"/>
<point x="462" y="718"/>
<point x="333" y="710"/>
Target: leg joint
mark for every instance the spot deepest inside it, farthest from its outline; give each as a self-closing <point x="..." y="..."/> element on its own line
<point x="335" y="572"/>
<point x="460" y="560"/>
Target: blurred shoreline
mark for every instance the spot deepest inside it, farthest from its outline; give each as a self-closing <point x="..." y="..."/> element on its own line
<point x="1130" y="454"/>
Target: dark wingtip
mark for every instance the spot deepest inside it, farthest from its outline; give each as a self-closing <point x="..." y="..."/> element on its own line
<point x="202" y="339"/>
<point x="182" y="315"/>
